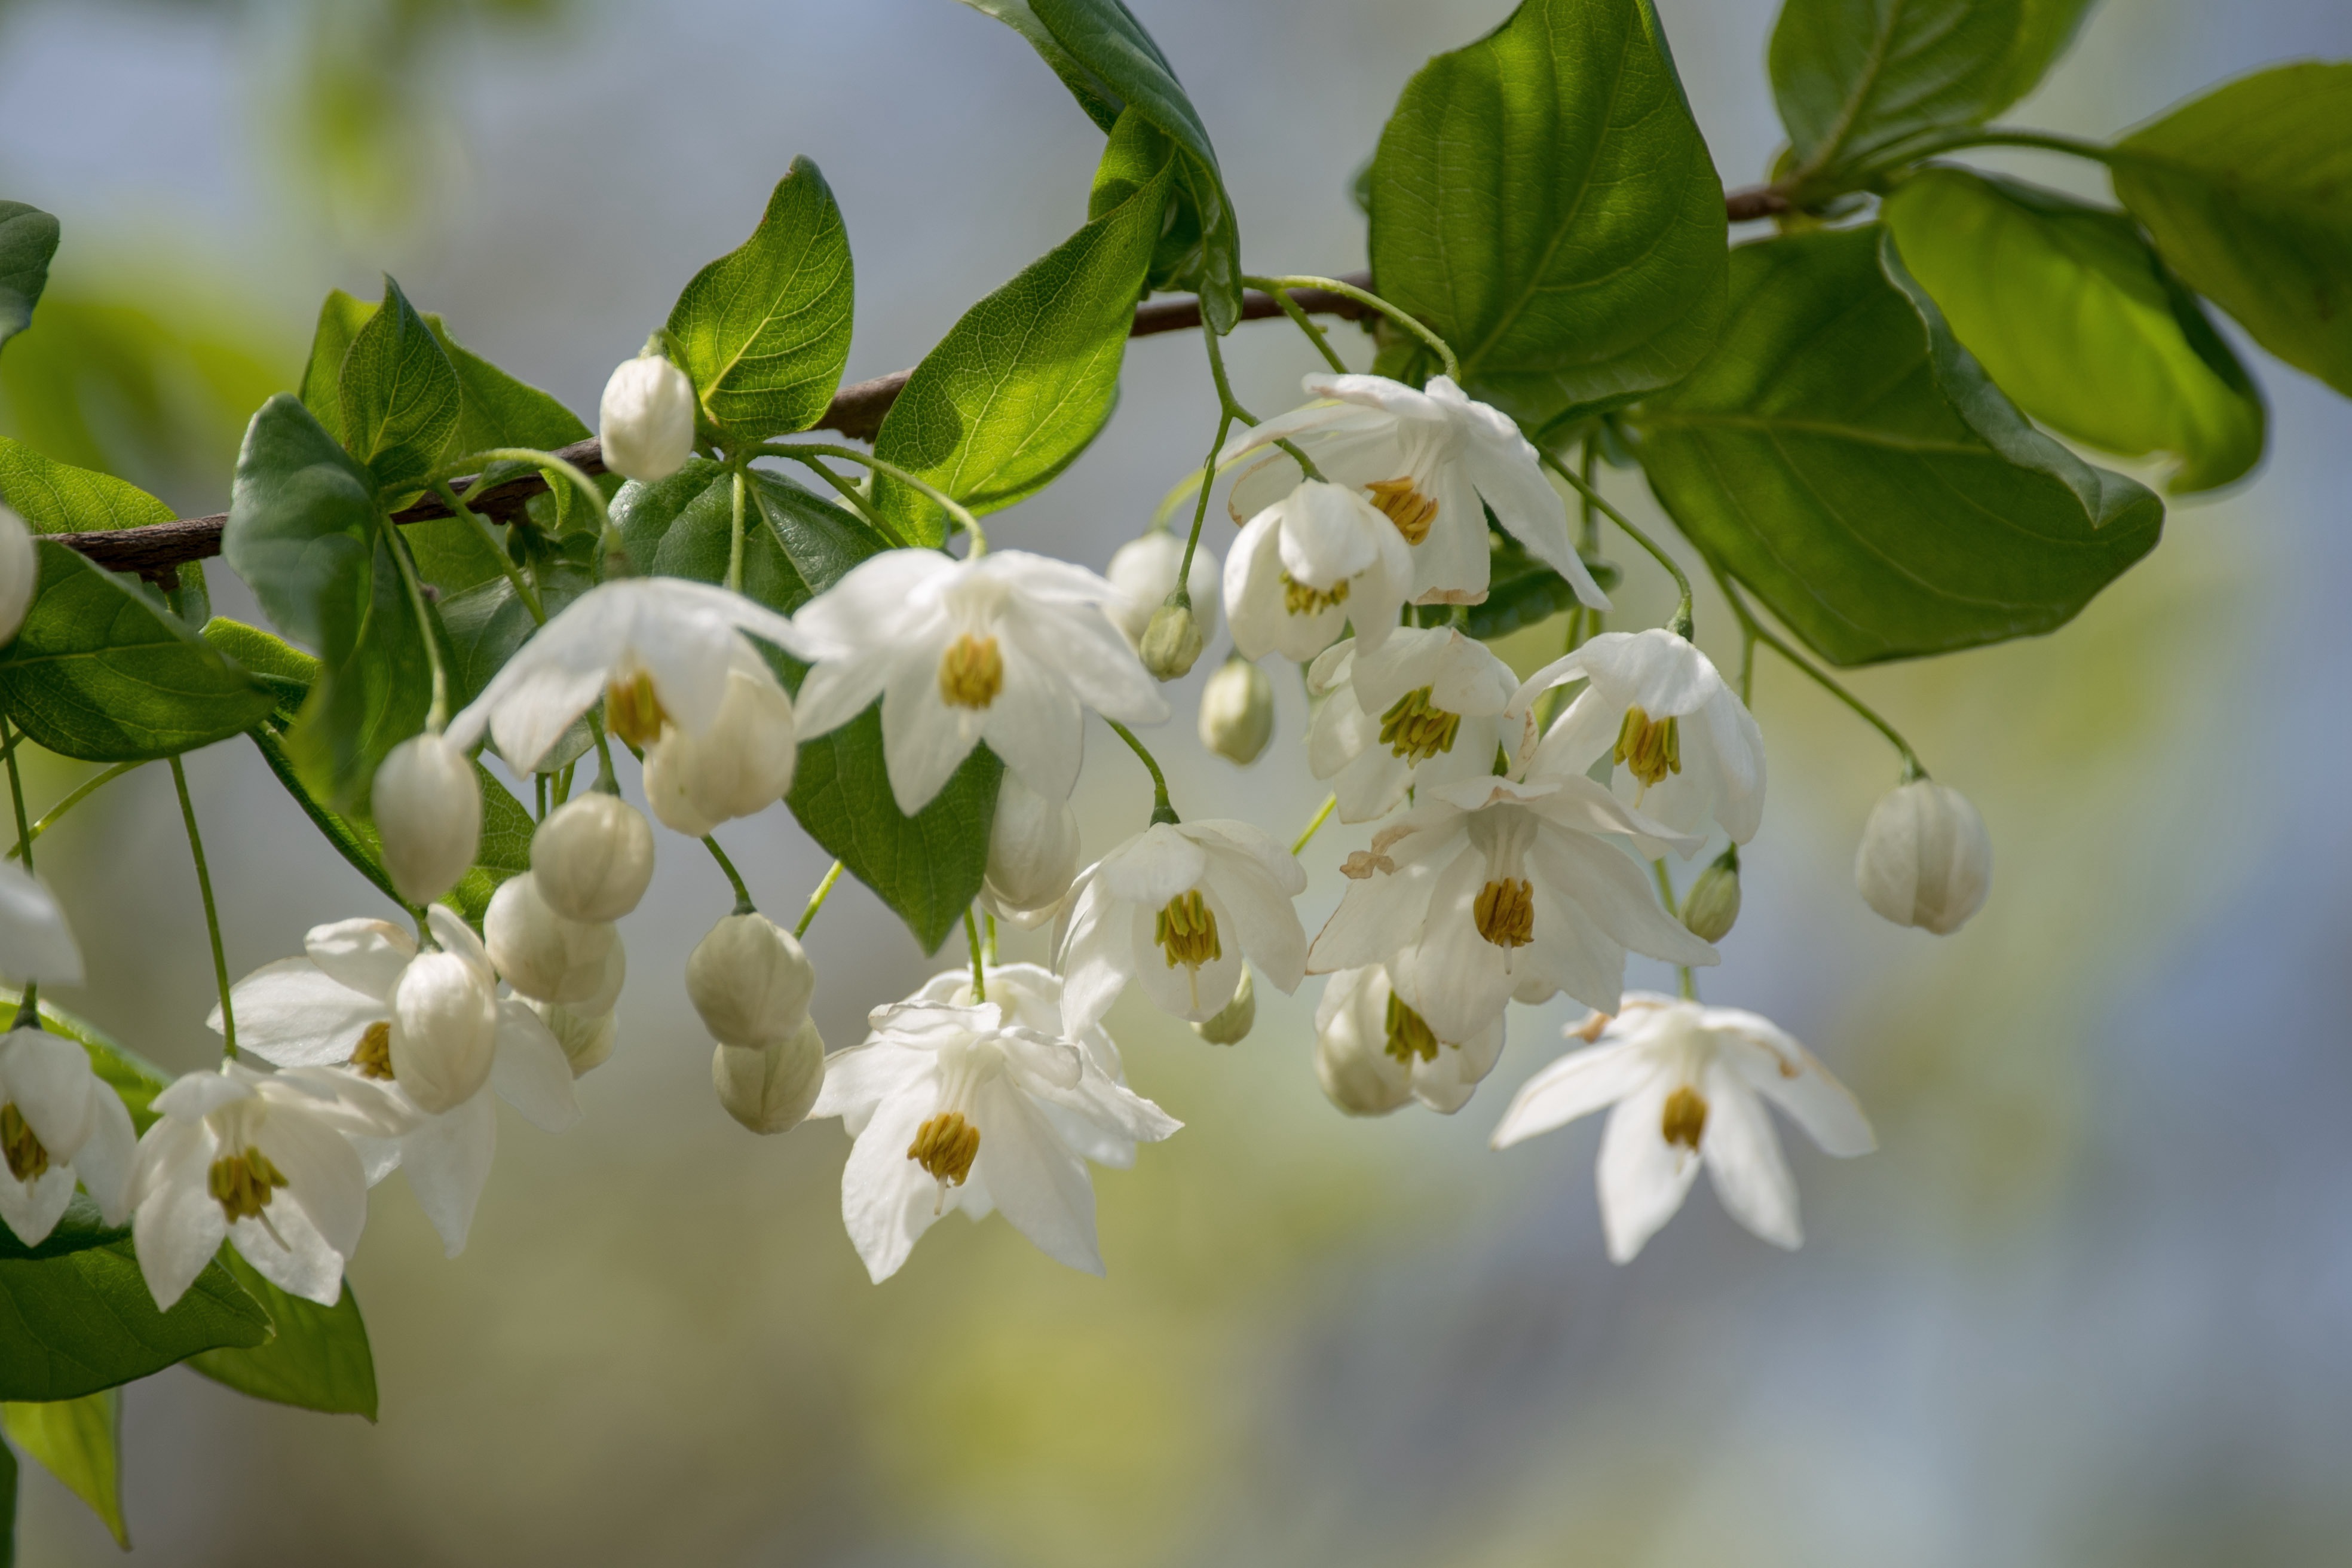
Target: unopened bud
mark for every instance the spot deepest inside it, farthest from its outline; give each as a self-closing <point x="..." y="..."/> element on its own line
<point x="445" y="1030"/>
<point x="427" y="804"/>
<point x="749" y="981"/>
<point x="592" y="857"/>
<point x="541" y="955"/>
<point x="770" y="1088"/>
<point x="1144" y="572"/>
<point x="647" y="419"/>
<point x="1171" y="642"/>
<point x="1033" y="855"/>
<point x="740" y="766"/>
<point x="1926" y="859"/>
<point x="20" y="571"/>
<point x="1712" y="906"/>
<point x="587" y="1038"/>
<point x="1358" y="1072"/>
<point x="1237" y="712"/>
<point x="1233" y="1022"/>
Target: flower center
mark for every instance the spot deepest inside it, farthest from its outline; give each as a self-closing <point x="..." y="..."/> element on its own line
<point x="241" y="1183"/>
<point x="945" y="1147"/>
<point x="972" y="672"/>
<point x="1686" y="1119"/>
<point x="631" y="712"/>
<point x="1506" y="912"/>
<point x="1409" y="1035"/>
<point x="26" y="1158"/>
<point x="1650" y="748"/>
<point x="1186" y="931"/>
<point x="1299" y="599"/>
<point x="1405" y="506"/>
<point x="1415" y="731"/>
<point x="373" y="1057"/>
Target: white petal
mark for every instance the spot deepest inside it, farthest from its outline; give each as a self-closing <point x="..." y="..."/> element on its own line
<point x="103" y="1162"/>
<point x="33" y="1208"/>
<point x="292" y="1014"/>
<point x="1096" y="955"/>
<point x="1036" y="725"/>
<point x="863" y="1076"/>
<point x="297" y="1258"/>
<point x="363" y="955"/>
<point x="1743" y="1160"/>
<point x="1035" y="1180"/>
<point x="448" y="1163"/>
<point x="888" y="1201"/>
<point x="530" y="1071"/>
<point x="177" y="1226"/>
<point x="1578" y="1084"/>
<point x="50" y="1081"/>
<point x="924" y="739"/>
<point x="36" y="943"/>
<point x="1264" y="923"/>
<point x="326" y="1179"/>
<point x="1641" y="1178"/>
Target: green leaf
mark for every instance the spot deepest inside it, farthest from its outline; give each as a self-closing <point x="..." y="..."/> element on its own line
<point x="1855" y="80"/>
<point x="276" y="664"/>
<point x="1018" y="387"/>
<point x="341" y="316"/>
<point x="301" y="527"/>
<point x="317" y="1358"/>
<point x="398" y="392"/>
<point x="2248" y="194"/>
<point x="28" y="238"/>
<point x="2075" y="317"/>
<point x="58" y="498"/>
<point x="764" y="329"/>
<point x="1543" y="199"/>
<point x="685" y="527"/>
<point x="75" y="1316"/>
<point x="370" y="695"/>
<point x="1840" y="454"/>
<point x="101" y="671"/>
<point x="74" y="1441"/>
<point x="124" y="1071"/>
<point x="7" y="1507"/>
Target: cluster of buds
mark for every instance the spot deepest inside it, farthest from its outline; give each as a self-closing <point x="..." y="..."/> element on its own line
<point x="752" y="985"/>
<point x="551" y="931"/>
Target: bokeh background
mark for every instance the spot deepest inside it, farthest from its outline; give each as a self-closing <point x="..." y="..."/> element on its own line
<point x="2086" y="1306"/>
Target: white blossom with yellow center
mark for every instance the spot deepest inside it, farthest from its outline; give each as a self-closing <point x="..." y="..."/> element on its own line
<point x="1425" y="708"/>
<point x="1316" y="559"/>
<point x="1374" y="1052"/>
<point x="59" y="1122"/>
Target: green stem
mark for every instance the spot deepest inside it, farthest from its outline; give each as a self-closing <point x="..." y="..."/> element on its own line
<point x="1200" y="512"/>
<point x="212" y="914"/>
<point x="29" y="1005"/>
<point x="743" y="904"/>
<point x="816" y="901"/>
<point x="948" y="503"/>
<point x="735" y="537"/>
<point x="1330" y="804"/>
<point x="1161" y="811"/>
<point x="988" y="935"/>
<point x="1299" y="318"/>
<point x="607" y="781"/>
<point x="521" y="586"/>
<point x="1588" y="520"/>
<point x="537" y="459"/>
<point x="1232" y="411"/>
<point x="1682" y="621"/>
<point x="1366" y="297"/>
<point x="1755" y="632"/>
<point x="979" y="969"/>
<point x="848" y="492"/>
<point x="1998" y="136"/>
<point x="438" y="714"/>
<point x="88" y="787"/>
<point x="1666" y="897"/>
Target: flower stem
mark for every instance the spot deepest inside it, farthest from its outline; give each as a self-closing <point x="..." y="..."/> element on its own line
<point x="515" y="578"/>
<point x="743" y="904"/>
<point x="816" y="901"/>
<point x="1299" y="318"/>
<point x="28" y="1008"/>
<point x="1161" y="811"/>
<point x="988" y="936"/>
<point x="1666" y="897"/>
<point x="1681" y="623"/>
<point x="979" y="969"/>
<point x="848" y="492"/>
<point x="1366" y="297"/>
<point x="212" y="914"/>
<point x="88" y="787"/>
<point x="606" y="779"/>
<point x="438" y="714"/>
<point x="1331" y="803"/>
<point x="948" y="503"/>
<point x="1755" y="632"/>
<point x="735" y="537"/>
<point x="539" y="459"/>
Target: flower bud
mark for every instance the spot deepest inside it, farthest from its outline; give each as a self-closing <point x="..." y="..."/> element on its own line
<point x="1926" y="858"/>
<point x="592" y="857"/>
<point x="1171" y="642"/>
<point x="1233" y="1022"/>
<point x="739" y="767"/>
<point x="541" y="955"/>
<point x="647" y="419"/>
<point x="1712" y="906"/>
<point x="1237" y="712"/>
<point x="444" y="1031"/>
<point x="1144" y="572"/>
<point x="586" y="1038"/>
<point x="20" y="573"/>
<point x="1033" y="855"/>
<point x="427" y="804"/>
<point x="749" y="981"/>
<point x="770" y="1088"/>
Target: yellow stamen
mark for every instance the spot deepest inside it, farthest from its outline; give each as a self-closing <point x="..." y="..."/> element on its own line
<point x="972" y="672"/>
<point x="1650" y="748"/>
<point x="27" y="1159"/>
<point x="945" y="1147"/>
<point x="1415" y="731"/>
<point x="1186" y="931"/>
<point x="1411" y="511"/>
<point x="241" y="1183"/>
<point x="1299" y="599"/>
<point x="372" y="1058"/>
<point x="1506" y="912"/>
<point x="633" y="712"/>
<point x="1409" y="1035"/>
<point x="1686" y="1119"/>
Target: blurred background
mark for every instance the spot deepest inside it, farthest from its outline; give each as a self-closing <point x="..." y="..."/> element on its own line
<point x="2086" y="1306"/>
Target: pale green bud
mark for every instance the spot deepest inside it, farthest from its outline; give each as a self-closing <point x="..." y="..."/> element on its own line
<point x="1171" y="642"/>
<point x="1712" y="906"/>
<point x="1232" y="1023"/>
<point x="1926" y="859"/>
<point x="427" y="804"/>
<point x="770" y="1088"/>
<point x="749" y="981"/>
<point x="1237" y="712"/>
<point x="592" y="857"/>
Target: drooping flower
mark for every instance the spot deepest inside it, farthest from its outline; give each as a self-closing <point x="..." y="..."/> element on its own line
<point x="1033" y="855"/>
<point x="1314" y="561"/>
<point x="982" y="1106"/>
<point x="1427" y="460"/>
<point x="1374" y="1053"/>
<point x="1143" y="573"/>
<point x="1177" y="908"/>
<point x="1687" y="1085"/>
<point x="1008" y="648"/>
<point x="1925" y="858"/>
<point x="1683" y="749"/>
<point x="647" y="418"/>
<point x="427" y="804"/>
<point x="1425" y="708"/>
<point x="59" y="1122"/>
<point x="1495" y="889"/>
<point x="659" y="650"/>
<point x="36" y="943"/>
<point x="740" y="766"/>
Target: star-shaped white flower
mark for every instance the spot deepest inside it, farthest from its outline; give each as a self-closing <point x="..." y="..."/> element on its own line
<point x="1314" y="560"/>
<point x="1426" y="459"/>
<point x="1688" y="1084"/>
<point x="1179" y="906"/>
<point x="36" y="943"/>
<point x="266" y="1160"/>
<point x="1425" y="708"/>
<point x="1374" y="1052"/>
<point x="979" y="1106"/>
<point x="1494" y="890"/>
<point x="1008" y="648"/>
<point x="58" y="1121"/>
<point x="1683" y="748"/>
<point x="658" y="649"/>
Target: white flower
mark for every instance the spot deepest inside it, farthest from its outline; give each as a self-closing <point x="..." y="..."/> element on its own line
<point x="982" y="1106"/>
<point x="1373" y="1052"/>
<point x="20" y="573"/>
<point x="1007" y="648"/>
<point x="543" y="955"/>
<point x="739" y="767"/>
<point x="1685" y="1082"/>
<point x="1033" y="855"/>
<point x="647" y="418"/>
<point x="1425" y="708"/>
<point x="1307" y="564"/>
<point x="265" y="1160"/>
<point x="36" y="943"/>
<point x="1143" y="573"/>
<point x="1926" y="858"/>
<point x="1237" y="712"/>
<point x="592" y="859"/>
<point x="1492" y="889"/>
<point x="1685" y="750"/>
<point x="1426" y="459"/>
<point x="427" y="804"/>
<point x="768" y="1088"/>
<point x="58" y="1121"/>
<point x="750" y="982"/>
<point x="1178" y="907"/>
<point x="658" y="650"/>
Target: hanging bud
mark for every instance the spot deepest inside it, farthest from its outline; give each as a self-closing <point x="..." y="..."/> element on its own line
<point x="749" y="981"/>
<point x="541" y="955"/>
<point x="1712" y="907"/>
<point x="587" y="1038"/>
<point x="1144" y="572"/>
<point x="592" y="857"/>
<point x="1233" y="1022"/>
<point x="770" y="1088"/>
<point x="740" y="766"/>
<point x="427" y="804"/>
<point x="647" y="418"/>
<point x="445" y="1030"/>
<point x="1358" y="1072"/>
<point x="1237" y="712"/>
<point x="1033" y="855"/>
<point x="20" y="571"/>
<point x="1171" y="642"/>
<point x="1926" y="858"/>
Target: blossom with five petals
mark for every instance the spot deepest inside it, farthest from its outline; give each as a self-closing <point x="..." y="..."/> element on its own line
<point x="57" y="1121"/>
<point x="1425" y="708"/>
<point x="1313" y="561"/>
